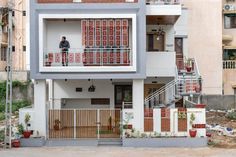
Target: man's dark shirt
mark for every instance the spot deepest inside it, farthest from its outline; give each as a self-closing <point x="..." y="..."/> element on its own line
<point x="64" y="45"/>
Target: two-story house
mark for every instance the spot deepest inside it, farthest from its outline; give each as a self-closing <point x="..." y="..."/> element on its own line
<point x="117" y="67"/>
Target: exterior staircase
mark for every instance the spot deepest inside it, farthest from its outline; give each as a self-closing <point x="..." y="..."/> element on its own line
<point x="186" y="85"/>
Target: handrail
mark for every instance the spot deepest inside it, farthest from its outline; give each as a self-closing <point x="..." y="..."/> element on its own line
<point x="161" y="90"/>
<point x="196" y="68"/>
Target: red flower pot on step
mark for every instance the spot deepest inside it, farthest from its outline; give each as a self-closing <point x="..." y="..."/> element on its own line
<point x="192" y="133"/>
<point x="26" y="134"/>
<point x="188" y="68"/>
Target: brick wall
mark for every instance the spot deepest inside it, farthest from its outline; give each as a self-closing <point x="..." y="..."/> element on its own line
<point x="84" y="1"/>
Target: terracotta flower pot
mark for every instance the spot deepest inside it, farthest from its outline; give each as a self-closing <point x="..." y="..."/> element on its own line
<point x="15" y="143"/>
<point x="200" y="105"/>
<point x="192" y="133"/>
<point x="188" y="68"/>
<point x="26" y="134"/>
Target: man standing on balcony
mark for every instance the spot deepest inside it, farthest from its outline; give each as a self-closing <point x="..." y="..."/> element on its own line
<point x="64" y="46"/>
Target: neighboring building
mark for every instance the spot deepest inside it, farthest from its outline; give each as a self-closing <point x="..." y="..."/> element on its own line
<point x="120" y="68"/>
<point x="229" y="47"/>
<point x="205" y="40"/>
<point x="19" y="39"/>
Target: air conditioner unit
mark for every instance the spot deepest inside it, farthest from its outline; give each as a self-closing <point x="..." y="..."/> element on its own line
<point x="229" y="7"/>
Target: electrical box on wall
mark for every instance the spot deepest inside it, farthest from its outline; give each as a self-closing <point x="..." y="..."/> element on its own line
<point x="78" y="89"/>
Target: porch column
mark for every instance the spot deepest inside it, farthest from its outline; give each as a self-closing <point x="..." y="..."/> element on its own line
<point x="40" y="107"/>
<point x="138" y="104"/>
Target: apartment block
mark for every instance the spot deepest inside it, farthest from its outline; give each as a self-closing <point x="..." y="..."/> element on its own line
<point x="229" y="47"/>
<point x="19" y="47"/>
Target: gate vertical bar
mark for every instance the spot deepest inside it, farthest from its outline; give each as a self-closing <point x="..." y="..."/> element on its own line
<point x="98" y="124"/>
<point x="74" y="124"/>
<point x="121" y="124"/>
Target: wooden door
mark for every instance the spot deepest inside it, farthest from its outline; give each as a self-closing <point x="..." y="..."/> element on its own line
<point x="179" y="53"/>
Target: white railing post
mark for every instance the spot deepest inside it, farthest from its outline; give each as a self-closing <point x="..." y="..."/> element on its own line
<point x="74" y="124"/>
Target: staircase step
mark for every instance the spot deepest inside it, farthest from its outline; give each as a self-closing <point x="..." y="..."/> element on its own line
<point x="110" y="142"/>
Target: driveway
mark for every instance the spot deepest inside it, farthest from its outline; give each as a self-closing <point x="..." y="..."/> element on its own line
<point x="116" y="152"/>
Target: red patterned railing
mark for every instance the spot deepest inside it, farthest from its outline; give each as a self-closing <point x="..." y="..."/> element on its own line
<point x="89" y="57"/>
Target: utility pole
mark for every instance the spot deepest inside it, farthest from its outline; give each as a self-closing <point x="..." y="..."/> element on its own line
<point x="8" y="105"/>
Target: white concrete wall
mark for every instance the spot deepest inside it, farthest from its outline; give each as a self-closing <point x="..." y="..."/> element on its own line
<point x="181" y="29"/>
<point x="163" y="9"/>
<point x="160" y="64"/>
<point x="40" y="107"/>
<point x="31" y="112"/>
<point x="200" y="115"/>
<point x="66" y="89"/>
<point x="57" y="29"/>
<point x="138" y="104"/>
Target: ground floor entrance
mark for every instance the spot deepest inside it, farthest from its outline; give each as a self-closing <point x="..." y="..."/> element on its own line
<point x="84" y="123"/>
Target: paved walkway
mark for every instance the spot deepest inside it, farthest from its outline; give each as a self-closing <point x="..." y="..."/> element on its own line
<point x="116" y="152"/>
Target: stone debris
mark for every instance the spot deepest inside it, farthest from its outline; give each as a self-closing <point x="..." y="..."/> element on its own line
<point x="221" y="131"/>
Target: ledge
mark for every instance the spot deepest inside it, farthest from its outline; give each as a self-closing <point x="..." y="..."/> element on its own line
<point x="165" y="142"/>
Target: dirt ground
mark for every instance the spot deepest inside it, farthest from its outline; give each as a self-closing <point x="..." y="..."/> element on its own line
<point x="107" y="151"/>
<point x="221" y="141"/>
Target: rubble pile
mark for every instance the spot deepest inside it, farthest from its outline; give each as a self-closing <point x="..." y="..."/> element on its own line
<point x="221" y="128"/>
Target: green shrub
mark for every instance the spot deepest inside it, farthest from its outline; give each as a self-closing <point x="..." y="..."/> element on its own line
<point x="16" y="105"/>
<point x="231" y="115"/>
<point x="2" y="116"/>
<point x="1" y="135"/>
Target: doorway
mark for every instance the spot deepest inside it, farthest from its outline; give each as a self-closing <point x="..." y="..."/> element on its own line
<point x="155" y="42"/>
<point x="122" y="93"/>
<point x="179" y="53"/>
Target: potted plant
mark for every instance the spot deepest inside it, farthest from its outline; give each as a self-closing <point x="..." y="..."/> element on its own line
<point x="27" y="132"/>
<point x="56" y="125"/>
<point x="188" y="65"/>
<point x="192" y="131"/>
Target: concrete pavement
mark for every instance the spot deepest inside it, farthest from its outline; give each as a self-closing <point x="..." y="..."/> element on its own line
<point x="116" y="152"/>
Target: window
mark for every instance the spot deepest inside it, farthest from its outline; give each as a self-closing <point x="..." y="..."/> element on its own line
<point x="230" y="21"/>
<point x="24" y="13"/>
<point x="24" y="48"/>
<point x="229" y="54"/>
<point x="13" y="48"/>
<point x="3" y="54"/>
<point x="100" y="101"/>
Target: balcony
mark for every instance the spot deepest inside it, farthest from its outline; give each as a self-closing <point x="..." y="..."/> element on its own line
<point x="161" y="64"/>
<point x="88" y="57"/>
<point x="229" y="64"/>
<point x="98" y="43"/>
<point x="163" y="7"/>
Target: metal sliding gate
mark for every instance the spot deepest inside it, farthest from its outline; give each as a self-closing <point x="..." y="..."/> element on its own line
<point x="84" y="123"/>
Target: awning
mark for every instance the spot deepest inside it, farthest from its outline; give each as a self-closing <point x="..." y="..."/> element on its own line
<point x="232" y="47"/>
<point x="229" y="12"/>
<point x="227" y="37"/>
<point x="3" y="44"/>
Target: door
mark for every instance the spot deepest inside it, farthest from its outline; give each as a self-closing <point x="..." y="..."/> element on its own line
<point x="122" y="93"/>
<point x="179" y="53"/>
<point x="156" y="42"/>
